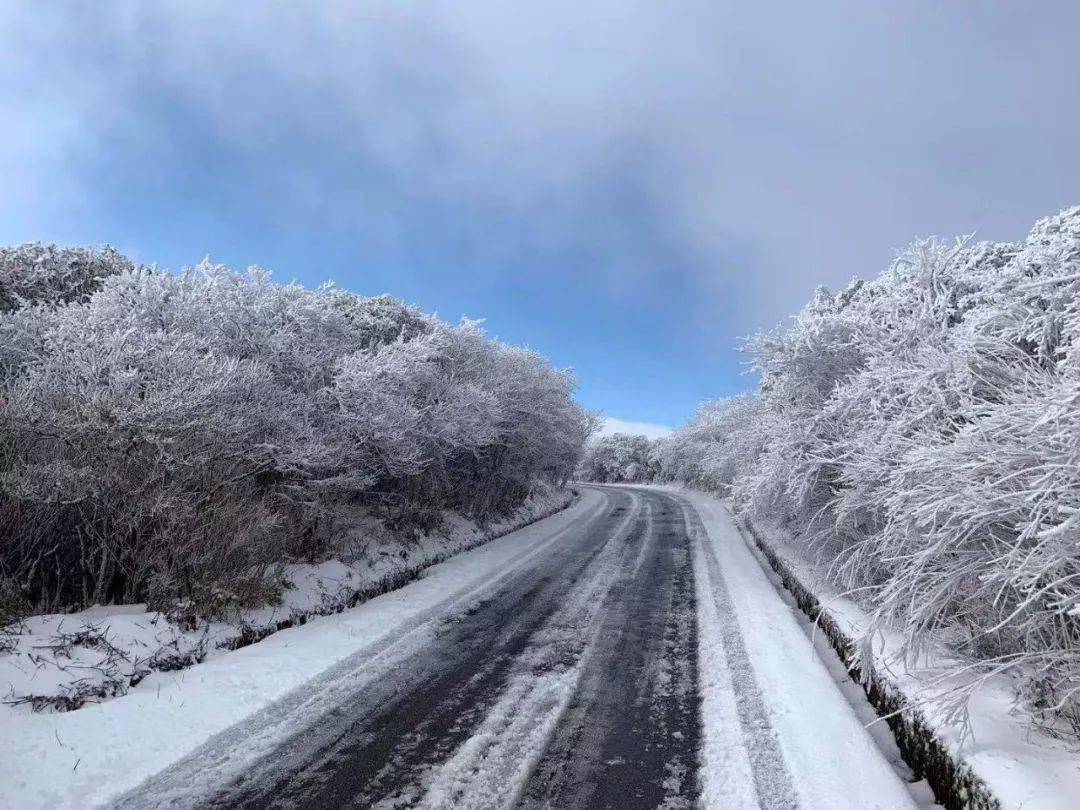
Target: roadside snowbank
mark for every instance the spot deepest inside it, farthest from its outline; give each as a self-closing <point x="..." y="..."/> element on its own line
<point x="1004" y="762"/>
<point x="763" y="679"/>
<point x="65" y="661"/>
<point x="90" y="757"/>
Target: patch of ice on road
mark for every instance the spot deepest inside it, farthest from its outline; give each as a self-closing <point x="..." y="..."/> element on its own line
<point x="673" y="784"/>
<point x="491" y="768"/>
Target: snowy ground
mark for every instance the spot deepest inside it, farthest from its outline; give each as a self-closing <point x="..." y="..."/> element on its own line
<point x="1022" y="765"/>
<point x="135" y="659"/>
<point x="65" y="661"/>
<point x="803" y="742"/>
<point x="627" y="652"/>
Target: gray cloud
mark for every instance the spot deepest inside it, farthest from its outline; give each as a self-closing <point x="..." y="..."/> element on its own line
<point x="753" y="150"/>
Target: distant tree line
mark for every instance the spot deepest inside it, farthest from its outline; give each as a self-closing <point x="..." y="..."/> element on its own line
<point x="171" y="436"/>
<point x="619" y="458"/>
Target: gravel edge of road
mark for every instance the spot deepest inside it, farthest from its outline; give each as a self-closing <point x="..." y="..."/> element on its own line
<point x="955" y="784"/>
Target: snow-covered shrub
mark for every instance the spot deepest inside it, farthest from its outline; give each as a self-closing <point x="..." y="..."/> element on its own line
<point x="621" y="457"/>
<point x="920" y="432"/>
<point x="986" y="529"/>
<point x="35" y="272"/>
<point x="180" y="435"/>
<point x="715" y="446"/>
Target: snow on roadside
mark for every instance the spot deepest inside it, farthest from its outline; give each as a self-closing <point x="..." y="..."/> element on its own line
<point x="65" y="661"/>
<point x="727" y="779"/>
<point x="831" y="756"/>
<point x="90" y="757"/>
<point x="1022" y="765"/>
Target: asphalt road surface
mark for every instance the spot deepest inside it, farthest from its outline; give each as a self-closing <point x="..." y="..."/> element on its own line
<point x="570" y="681"/>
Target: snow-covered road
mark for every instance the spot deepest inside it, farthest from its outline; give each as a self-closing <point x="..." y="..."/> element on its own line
<point x="634" y="654"/>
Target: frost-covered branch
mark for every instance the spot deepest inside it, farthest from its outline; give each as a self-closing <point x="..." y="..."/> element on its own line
<point x="168" y="436"/>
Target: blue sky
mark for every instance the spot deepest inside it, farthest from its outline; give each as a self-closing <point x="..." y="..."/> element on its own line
<point x="627" y="187"/>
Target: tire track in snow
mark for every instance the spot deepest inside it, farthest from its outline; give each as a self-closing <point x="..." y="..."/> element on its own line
<point x="491" y="767"/>
<point x="773" y="786"/>
<point x="513" y="724"/>
<point x="389" y="738"/>
<point x="271" y="741"/>
<point x="629" y="737"/>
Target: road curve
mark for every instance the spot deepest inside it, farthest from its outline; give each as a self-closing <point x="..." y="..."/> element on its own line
<point x="570" y="681"/>
<point x="597" y="634"/>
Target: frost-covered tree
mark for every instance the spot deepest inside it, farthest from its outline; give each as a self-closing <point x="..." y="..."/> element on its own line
<point x="918" y="432"/>
<point x="35" y="272"/>
<point x="715" y="446"/>
<point x="621" y="457"/>
<point x="178" y="435"/>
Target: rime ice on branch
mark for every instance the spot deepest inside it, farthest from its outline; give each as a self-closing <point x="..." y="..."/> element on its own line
<point x="176" y="436"/>
<point x="920" y="433"/>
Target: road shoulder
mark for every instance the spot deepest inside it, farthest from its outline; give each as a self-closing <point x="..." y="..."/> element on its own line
<point x="92" y="756"/>
<point x="832" y="759"/>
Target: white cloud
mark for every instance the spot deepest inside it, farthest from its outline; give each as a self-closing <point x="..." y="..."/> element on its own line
<point x="651" y="430"/>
